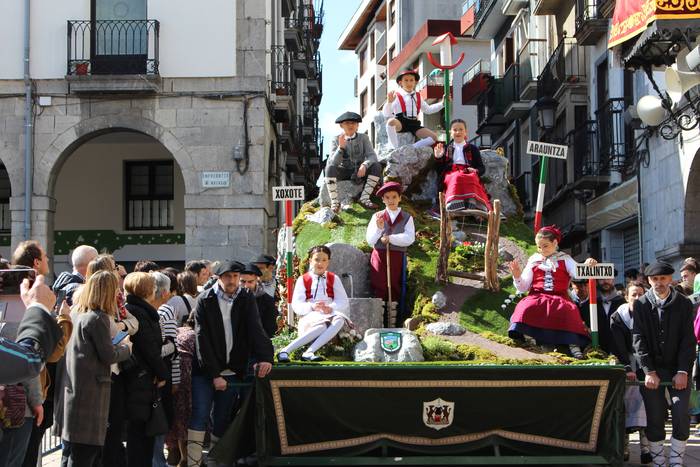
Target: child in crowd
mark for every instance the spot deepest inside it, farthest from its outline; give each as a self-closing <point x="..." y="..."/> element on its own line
<point x="621" y="323"/>
<point x="547" y="314"/>
<point x="459" y="167"/>
<point x="352" y="158"/>
<point x="320" y="300"/>
<point x="402" y="109"/>
<point x="391" y="229"/>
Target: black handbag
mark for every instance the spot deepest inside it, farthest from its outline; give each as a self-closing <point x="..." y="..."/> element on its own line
<point x="157" y="423"/>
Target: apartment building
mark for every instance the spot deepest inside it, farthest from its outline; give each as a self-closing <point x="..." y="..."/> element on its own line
<point x="155" y="129"/>
<point x="391" y="35"/>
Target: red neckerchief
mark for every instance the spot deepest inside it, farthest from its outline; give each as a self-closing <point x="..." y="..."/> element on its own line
<point x="387" y="220"/>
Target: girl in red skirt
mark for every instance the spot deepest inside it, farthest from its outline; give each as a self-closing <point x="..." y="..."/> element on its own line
<point x="547" y="313"/>
<point x="459" y="167"/>
<point x="395" y="228"/>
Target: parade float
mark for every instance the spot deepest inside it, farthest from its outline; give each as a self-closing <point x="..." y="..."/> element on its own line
<point x="446" y="385"/>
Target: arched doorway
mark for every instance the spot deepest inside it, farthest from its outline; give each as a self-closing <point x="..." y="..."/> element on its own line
<point x="122" y="192"/>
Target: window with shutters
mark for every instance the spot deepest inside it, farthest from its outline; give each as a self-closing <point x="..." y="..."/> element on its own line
<point x="149" y="195"/>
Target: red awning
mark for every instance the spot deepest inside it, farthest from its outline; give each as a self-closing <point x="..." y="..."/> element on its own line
<point x="631" y="17"/>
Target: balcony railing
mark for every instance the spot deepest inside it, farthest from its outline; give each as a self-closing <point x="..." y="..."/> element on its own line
<point x="511" y="88"/>
<point x="583" y="142"/>
<point x="566" y="66"/>
<point x="115" y="47"/>
<point x="283" y="82"/>
<point x="532" y="60"/>
<point x="591" y="24"/>
<point x="380" y="49"/>
<point x="482" y="9"/>
<point x="480" y="67"/>
<point x="614" y="135"/>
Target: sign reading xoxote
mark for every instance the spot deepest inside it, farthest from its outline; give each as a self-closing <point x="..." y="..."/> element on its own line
<point x="287" y="193"/>
<point x="537" y="148"/>
<point x="599" y="271"/>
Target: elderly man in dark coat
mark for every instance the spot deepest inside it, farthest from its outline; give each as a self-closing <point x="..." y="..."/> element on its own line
<point x="664" y="344"/>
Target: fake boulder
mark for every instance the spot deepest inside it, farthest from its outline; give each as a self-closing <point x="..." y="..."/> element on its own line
<point x="348" y="192"/>
<point x="370" y="348"/>
<point x="351" y="265"/>
<point x="366" y="313"/>
<point x="407" y="164"/>
<point x="496" y="182"/>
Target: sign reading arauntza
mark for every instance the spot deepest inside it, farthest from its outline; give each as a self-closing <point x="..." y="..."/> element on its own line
<point x="599" y="271"/>
<point x="287" y="193"/>
<point x="537" y="148"/>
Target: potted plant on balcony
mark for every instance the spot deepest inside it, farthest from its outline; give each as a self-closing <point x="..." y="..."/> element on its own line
<point x="81" y="69"/>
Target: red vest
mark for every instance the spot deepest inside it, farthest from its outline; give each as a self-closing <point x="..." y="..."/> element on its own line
<point x="402" y="103"/>
<point x="557" y="282"/>
<point x="330" y="279"/>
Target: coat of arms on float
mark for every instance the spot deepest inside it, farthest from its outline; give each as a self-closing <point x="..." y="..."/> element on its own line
<point x="438" y="414"/>
<point x="390" y="341"/>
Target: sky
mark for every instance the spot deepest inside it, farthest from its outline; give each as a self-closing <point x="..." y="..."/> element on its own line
<point x="339" y="69"/>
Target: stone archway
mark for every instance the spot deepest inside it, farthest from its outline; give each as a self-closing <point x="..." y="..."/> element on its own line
<point x="48" y="165"/>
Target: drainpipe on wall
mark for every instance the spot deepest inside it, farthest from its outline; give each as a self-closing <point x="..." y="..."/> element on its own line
<point x="28" y="133"/>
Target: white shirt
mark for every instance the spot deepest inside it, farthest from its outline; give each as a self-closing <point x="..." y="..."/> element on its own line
<point x="411" y="100"/>
<point x="225" y="309"/>
<point x="458" y="154"/>
<point x="523" y="284"/>
<point x="404" y="239"/>
<point x="318" y="294"/>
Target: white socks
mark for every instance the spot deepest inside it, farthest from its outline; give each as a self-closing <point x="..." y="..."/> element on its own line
<point x="393" y="136"/>
<point x="370" y="185"/>
<point x="427" y="141"/>
<point x="195" y="442"/>
<point x="331" y="184"/>
<point x="656" y="449"/>
<point x="675" y="458"/>
<point x="330" y="332"/>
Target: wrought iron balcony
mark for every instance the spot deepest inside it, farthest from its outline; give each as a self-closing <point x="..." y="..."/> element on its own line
<point x="514" y="107"/>
<point x="614" y="135"/>
<point x="432" y="86"/>
<point x="491" y="107"/>
<point x="532" y="60"/>
<point x="293" y="33"/>
<point x="591" y="25"/>
<point x="113" y="47"/>
<point x="380" y="49"/>
<point x="475" y="81"/>
<point x="565" y="69"/>
<point x="283" y="84"/>
<point x="488" y="18"/>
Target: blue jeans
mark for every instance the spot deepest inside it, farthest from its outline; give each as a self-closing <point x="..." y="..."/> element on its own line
<point x="14" y="443"/>
<point x="204" y="396"/>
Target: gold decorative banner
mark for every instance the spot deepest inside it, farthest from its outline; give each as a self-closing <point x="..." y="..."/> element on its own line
<point x="631" y="17"/>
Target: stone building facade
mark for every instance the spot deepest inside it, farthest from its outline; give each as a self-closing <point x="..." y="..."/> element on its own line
<point x="171" y="153"/>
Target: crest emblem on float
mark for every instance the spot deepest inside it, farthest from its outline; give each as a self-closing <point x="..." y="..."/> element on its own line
<point x="390" y="341"/>
<point x="438" y="414"/>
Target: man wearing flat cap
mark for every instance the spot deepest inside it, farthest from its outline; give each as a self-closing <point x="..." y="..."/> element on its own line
<point x="250" y="279"/>
<point x="266" y="264"/>
<point x="228" y="332"/>
<point x="664" y="344"/>
<point x="352" y="158"/>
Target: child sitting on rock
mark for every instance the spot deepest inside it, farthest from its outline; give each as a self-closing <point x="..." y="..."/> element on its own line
<point x="547" y="314"/>
<point x="352" y="158"/>
<point x="320" y="300"/>
<point x="459" y="167"/>
<point x="392" y="228"/>
<point x="621" y="323"/>
<point x="402" y="109"/>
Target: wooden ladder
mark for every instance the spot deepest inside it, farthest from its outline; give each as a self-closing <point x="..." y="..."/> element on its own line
<point x="490" y="274"/>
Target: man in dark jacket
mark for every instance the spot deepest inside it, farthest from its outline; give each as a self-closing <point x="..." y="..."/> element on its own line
<point x="608" y="303"/>
<point x="251" y="280"/>
<point x="664" y="344"/>
<point x="70" y="281"/>
<point x="228" y="330"/>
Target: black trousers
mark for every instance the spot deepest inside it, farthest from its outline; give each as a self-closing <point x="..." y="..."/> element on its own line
<point x="83" y="455"/>
<point x="113" y="452"/>
<point x="657" y="409"/>
<point x="343" y="173"/>
<point x="139" y="447"/>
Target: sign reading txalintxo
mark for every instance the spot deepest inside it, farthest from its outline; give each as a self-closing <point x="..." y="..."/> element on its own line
<point x="287" y="193"/>
<point x="599" y="271"/>
<point x="537" y="148"/>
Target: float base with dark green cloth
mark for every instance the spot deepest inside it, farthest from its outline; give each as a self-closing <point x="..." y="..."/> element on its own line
<point x="433" y="415"/>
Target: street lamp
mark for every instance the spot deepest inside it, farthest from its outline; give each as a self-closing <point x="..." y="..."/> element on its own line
<point x="546" y="108"/>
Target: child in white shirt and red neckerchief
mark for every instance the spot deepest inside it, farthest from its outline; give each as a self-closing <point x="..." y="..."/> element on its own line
<point x="402" y="109"/>
<point x="394" y="227"/>
<point x="320" y="300"/>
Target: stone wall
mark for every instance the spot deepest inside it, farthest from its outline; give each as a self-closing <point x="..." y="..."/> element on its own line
<point x="199" y="121"/>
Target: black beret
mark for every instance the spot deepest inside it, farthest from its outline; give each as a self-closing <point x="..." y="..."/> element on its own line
<point x="349" y="117"/>
<point x="250" y="268"/>
<point x="660" y="268"/>
<point x="265" y="259"/>
<point x="229" y="266"/>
